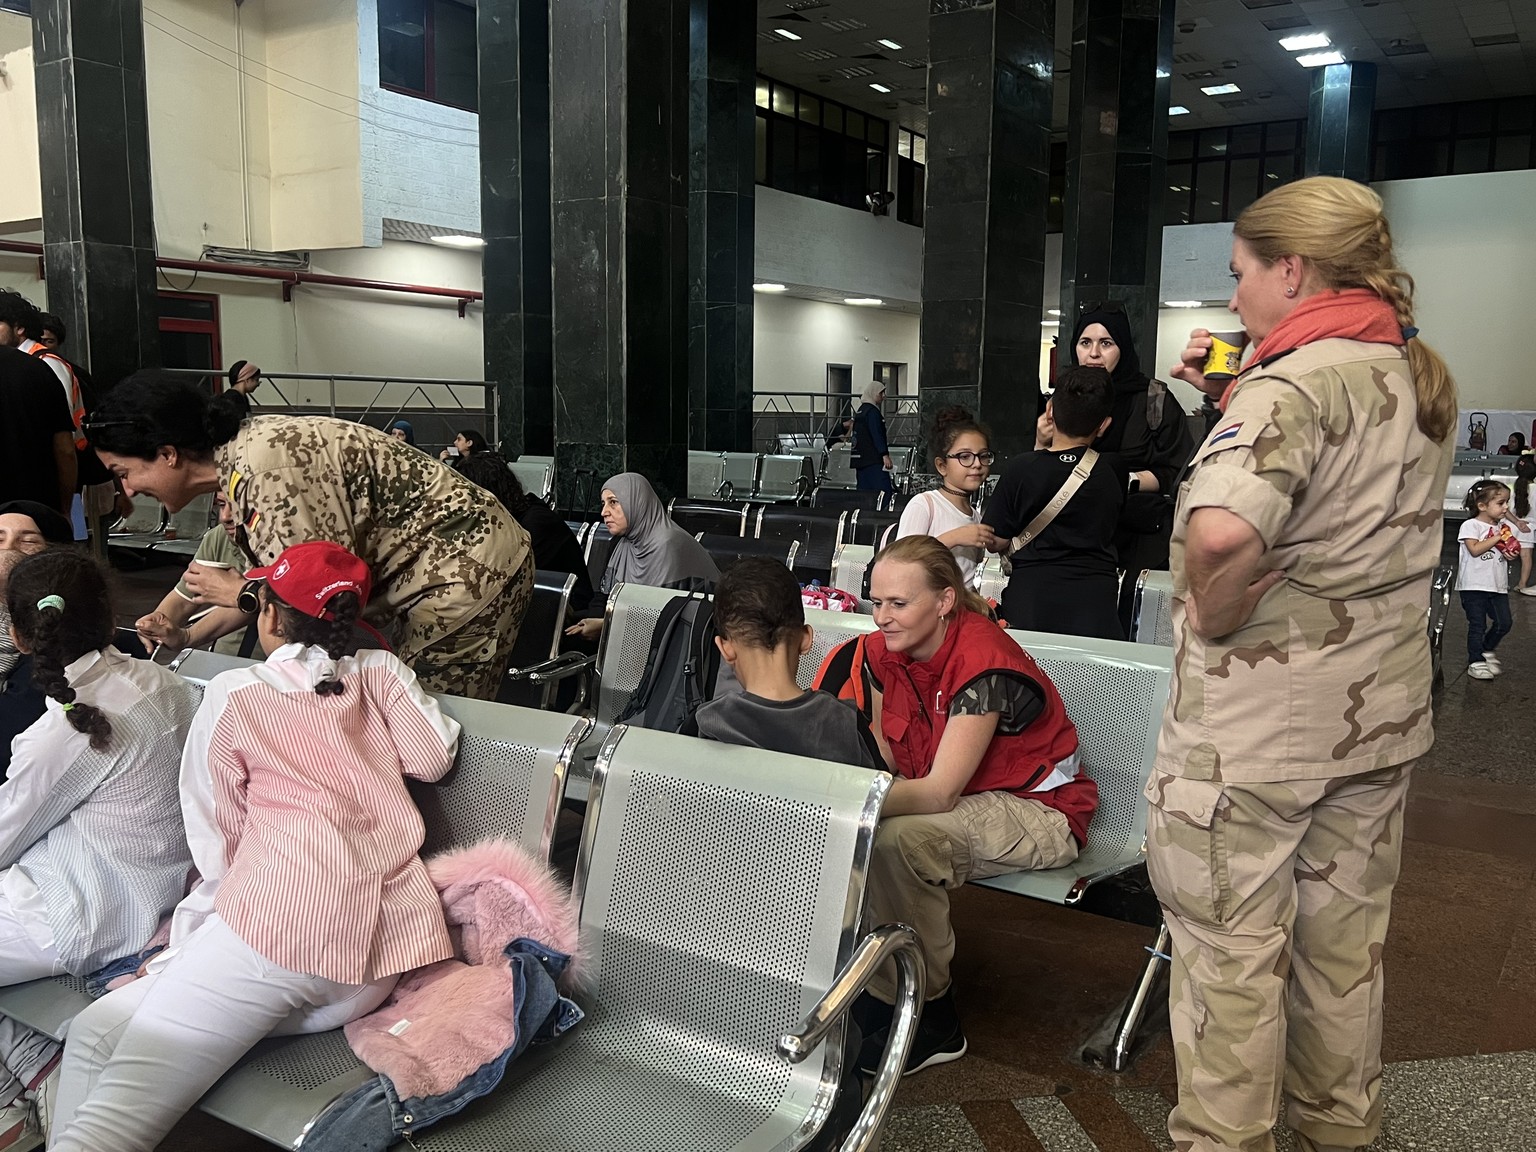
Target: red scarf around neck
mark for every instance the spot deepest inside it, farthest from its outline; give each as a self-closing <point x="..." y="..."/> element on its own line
<point x="1350" y="314"/>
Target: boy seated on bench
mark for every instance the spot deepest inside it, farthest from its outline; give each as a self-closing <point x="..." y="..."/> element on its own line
<point x="762" y="635"/>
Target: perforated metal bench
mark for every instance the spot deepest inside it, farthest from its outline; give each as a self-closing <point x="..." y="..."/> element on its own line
<point x="536" y="474"/>
<point x="719" y="903"/>
<point x="1152" y="610"/>
<point x="1115" y="693"/>
<point x="502" y="785"/>
<point x="706" y="472"/>
<point x="850" y="570"/>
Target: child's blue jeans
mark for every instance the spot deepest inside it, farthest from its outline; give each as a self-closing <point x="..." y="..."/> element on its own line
<point x="1488" y="621"/>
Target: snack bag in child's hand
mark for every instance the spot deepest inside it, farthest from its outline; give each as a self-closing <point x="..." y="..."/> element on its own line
<point x="1508" y="546"/>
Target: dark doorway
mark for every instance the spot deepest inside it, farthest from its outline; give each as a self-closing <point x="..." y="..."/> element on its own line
<point x="189" y="331"/>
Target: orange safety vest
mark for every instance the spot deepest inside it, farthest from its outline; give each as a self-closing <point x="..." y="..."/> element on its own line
<point x="76" y="401"/>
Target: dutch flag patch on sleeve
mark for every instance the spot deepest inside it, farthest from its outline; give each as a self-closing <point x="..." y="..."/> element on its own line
<point x="1230" y="432"/>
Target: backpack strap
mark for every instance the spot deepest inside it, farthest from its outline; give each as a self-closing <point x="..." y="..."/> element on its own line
<point x="667" y="623"/>
<point x="1059" y="501"/>
<point x="844" y="674"/>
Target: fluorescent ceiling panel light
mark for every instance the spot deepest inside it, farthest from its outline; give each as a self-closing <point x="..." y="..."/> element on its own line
<point x="1302" y="43"/>
<point x="1178" y="110"/>
<point x="879" y="87"/>
<point x="891" y="44"/>
<point x="459" y="241"/>
<point x="1183" y="303"/>
<point x="1221" y="89"/>
<point x="770" y="287"/>
<point x="1319" y="59"/>
<point x="1050" y="323"/>
<point x="1053" y="311"/>
<point x="786" y="33"/>
<point x="863" y="301"/>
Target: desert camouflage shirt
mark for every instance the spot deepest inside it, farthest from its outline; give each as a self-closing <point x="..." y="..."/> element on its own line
<point x="439" y="547"/>
<point x="1322" y="454"/>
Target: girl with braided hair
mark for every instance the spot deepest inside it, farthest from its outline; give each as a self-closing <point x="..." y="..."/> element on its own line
<point x="313" y="898"/>
<point x="91" y="841"/>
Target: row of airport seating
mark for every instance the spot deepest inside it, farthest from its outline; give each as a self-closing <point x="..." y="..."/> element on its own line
<point x="790" y="476"/>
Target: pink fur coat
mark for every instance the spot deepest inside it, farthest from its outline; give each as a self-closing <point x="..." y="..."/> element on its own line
<point x="445" y="1020"/>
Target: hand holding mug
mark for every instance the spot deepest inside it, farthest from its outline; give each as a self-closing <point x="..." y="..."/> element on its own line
<point x="1191" y="365"/>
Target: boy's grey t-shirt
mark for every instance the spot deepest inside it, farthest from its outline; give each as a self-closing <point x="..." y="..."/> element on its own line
<point x="815" y="724"/>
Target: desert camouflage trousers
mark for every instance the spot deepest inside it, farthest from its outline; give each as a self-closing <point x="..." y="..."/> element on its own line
<point x="1277" y="897"/>
<point x="473" y="660"/>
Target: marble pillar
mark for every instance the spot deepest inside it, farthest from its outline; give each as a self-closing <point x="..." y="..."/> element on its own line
<point x="1117" y="160"/>
<point x="722" y="59"/>
<point x="619" y="240"/>
<point x="1339" y="116"/>
<point x="513" y="38"/>
<point x="98" y="209"/>
<point x="989" y="129"/>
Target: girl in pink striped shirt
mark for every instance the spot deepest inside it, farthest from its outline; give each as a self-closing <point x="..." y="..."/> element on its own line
<point x="313" y="897"/>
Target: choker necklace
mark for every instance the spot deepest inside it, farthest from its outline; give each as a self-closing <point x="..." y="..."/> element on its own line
<point x="968" y="497"/>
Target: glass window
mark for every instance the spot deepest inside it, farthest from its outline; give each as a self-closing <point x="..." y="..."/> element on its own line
<point x="877" y="132"/>
<point x="427" y="48"/>
<point x="1516" y="114"/>
<point x="1246" y="140"/>
<point x="403" y="44"/>
<point x="762" y="149"/>
<point x="1176" y="198"/>
<point x="1474" y="117"/>
<point x="1512" y="152"/>
<point x="919" y="149"/>
<point x="1210" y="192"/>
<point x="762" y="93"/>
<point x="810" y="109"/>
<point x="904" y="144"/>
<point x="1433" y="120"/>
<point x="1394" y="125"/>
<point x="1213" y="142"/>
<point x="855" y="126"/>
<point x="783" y="100"/>
<point x="1181" y="145"/>
<point x="832" y="117"/>
<point x="1242" y="185"/>
<point x="1280" y="136"/>
<point x="1471" y="155"/>
<point x="456" y="71"/>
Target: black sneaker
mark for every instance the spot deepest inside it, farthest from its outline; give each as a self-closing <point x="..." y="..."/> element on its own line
<point x="939" y="1039"/>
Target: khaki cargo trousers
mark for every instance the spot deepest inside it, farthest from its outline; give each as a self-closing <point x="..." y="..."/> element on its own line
<point x="1277" y="897"/>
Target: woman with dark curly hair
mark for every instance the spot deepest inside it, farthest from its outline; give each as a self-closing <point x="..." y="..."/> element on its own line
<point x="452" y="570"/>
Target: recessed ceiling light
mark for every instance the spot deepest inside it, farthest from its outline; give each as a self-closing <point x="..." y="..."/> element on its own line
<point x="770" y="287"/>
<point x="879" y="87"/>
<point x="1053" y="311"/>
<point x="1178" y="110"/>
<point x="891" y="44"/>
<point x="459" y="241"/>
<point x="1050" y="323"/>
<point x="1183" y="303"/>
<point x="1319" y="59"/>
<point x="786" y="33"/>
<point x="1302" y="43"/>
<point x="865" y="301"/>
<point x="1221" y="89"/>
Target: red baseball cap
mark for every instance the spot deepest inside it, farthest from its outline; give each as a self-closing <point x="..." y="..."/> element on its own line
<point x="308" y="575"/>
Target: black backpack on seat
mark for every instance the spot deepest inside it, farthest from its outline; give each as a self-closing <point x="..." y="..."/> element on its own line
<point x="680" y="669"/>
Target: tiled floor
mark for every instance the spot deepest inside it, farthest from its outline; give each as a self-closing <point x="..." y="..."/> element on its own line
<point x="1034" y="980"/>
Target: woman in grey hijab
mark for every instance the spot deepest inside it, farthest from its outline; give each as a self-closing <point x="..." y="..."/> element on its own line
<point x="651" y="549"/>
<point x="871" y="456"/>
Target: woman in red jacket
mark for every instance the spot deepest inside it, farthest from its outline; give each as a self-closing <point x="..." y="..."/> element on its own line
<point x="988" y="778"/>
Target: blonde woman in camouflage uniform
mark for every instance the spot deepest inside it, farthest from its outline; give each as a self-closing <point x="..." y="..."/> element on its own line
<point x="452" y="570"/>
<point x="1302" y="553"/>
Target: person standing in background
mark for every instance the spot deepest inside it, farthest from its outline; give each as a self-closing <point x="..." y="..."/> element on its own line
<point x="871" y="456"/>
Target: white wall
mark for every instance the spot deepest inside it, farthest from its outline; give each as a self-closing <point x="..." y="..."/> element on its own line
<point x="808" y="242"/>
<point x="421" y="161"/>
<point x="794" y="340"/>
<point x="1470" y="243"/>
<point x="21" y="195"/>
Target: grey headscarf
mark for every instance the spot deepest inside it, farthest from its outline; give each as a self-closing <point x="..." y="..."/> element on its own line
<point x="871" y="393"/>
<point x="653" y="550"/>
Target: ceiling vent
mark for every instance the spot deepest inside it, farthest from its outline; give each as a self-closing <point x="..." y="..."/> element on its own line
<point x="817" y="54"/>
<point x="1286" y="23"/>
<point x="1496" y="40"/>
<point x="846" y="25"/>
<point x="287" y="261"/>
<point x="1256" y="4"/>
<point x="1401" y="47"/>
<point x="855" y="72"/>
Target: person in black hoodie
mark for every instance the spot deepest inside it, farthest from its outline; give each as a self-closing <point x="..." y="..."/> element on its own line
<point x="1149" y="435"/>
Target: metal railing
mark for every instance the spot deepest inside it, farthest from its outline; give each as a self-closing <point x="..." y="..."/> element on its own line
<point x="437" y="409"/>
<point x="776" y="414"/>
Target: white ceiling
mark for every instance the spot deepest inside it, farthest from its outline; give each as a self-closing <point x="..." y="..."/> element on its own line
<point x="1428" y="52"/>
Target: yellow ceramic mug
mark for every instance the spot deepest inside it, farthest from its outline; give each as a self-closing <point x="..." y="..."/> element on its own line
<point x="1226" y="358"/>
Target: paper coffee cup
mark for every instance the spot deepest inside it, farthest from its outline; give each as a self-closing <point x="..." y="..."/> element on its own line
<point x="1226" y="358"/>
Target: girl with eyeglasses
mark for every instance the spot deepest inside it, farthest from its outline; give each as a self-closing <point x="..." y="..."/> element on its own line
<point x="952" y="512"/>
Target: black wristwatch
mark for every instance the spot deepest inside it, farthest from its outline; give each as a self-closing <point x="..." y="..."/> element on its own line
<point x="248" y="601"/>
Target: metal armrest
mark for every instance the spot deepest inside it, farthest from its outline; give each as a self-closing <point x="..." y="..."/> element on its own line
<point x="547" y="671"/>
<point x="884" y="943"/>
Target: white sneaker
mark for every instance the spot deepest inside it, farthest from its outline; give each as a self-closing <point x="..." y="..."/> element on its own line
<point x="1480" y="671"/>
<point x="1492" y="660"/>
<point x="1528" y="590"/>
